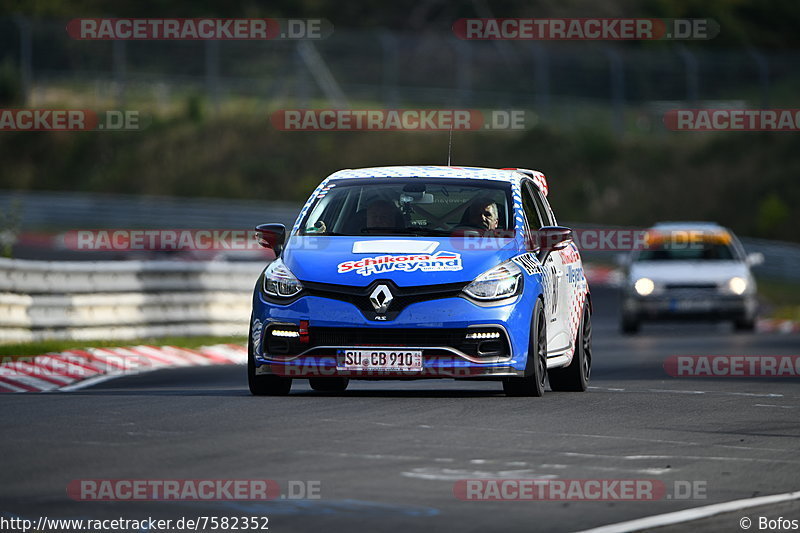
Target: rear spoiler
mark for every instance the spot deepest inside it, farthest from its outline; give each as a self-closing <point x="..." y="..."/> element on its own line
<point x="537" y="177"/>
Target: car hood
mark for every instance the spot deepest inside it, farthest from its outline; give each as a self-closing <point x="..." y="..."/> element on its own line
<point x="689" y="271"/>
<point x="407" y="261"/>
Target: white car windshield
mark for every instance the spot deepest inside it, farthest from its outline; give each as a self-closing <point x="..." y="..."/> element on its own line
<point x="691" y="251"/>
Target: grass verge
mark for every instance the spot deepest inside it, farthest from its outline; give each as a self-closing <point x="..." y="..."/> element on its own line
<point x="43" y="347"/>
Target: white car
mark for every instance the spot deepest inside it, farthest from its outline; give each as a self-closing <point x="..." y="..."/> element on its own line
<point x="689" y="271"/>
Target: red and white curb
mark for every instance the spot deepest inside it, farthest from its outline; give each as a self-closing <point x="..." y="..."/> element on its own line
<point x="773" y="325"/>
<point x="76" y="369"/>
<point x="602" y="276"/>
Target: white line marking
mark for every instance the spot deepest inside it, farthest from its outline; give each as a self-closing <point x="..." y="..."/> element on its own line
<point x="677" y="391"/>
<point x="453" y="474"/>
<point x="93" y="381"/>
<point x="672" y="391"/>
<point x="695" y="513"/>
<point x="773" y="405"/>
<point x="695" y="457"/>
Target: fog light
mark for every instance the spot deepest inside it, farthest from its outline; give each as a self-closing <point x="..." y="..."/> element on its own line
<point x="284" y="333"/>
<point x="483" y="335"/>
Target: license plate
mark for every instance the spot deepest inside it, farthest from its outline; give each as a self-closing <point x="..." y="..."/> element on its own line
<point x="397" y="360"/>
<point x="685" y="305"/>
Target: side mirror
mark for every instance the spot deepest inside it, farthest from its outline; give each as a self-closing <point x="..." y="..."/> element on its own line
<point x="550" y="239"/>
<point x="622" y="260"/>
<point x="271" y="236"/>
<point x="755" y="259"/>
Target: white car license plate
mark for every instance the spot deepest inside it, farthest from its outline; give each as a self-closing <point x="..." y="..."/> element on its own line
<point x="394" y="359"/>
<point x="686" y="305"/>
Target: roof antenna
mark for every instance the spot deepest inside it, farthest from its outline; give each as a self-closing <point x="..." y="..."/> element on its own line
<point x="450" y="147"/>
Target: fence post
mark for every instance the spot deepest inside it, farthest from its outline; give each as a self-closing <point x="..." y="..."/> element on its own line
<point x="463" y="78"/>
<point x="301" y="79"/>
<point x="542" y="75"/>
<point x="763" y="74"/>
<point x="212" y="73"/>
<point x="25" y="58"/>
<point x="692" y="74"/>
<point x="390" y="68"/>
<point x="617" y="80"/>
<point x="118" y="57"/>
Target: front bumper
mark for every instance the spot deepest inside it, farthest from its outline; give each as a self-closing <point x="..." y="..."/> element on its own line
<point x="678" y="305"/>
<point x="438" y="328"/>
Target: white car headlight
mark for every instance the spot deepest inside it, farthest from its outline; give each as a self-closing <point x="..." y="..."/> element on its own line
<point x="502" y="281"/>
<point x="737" y="285"/>
<point x="644" y="286"/>
<point x="279" y="281"/>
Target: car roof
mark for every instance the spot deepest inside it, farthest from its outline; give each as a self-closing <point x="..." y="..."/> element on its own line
<point x="510" y="175"/>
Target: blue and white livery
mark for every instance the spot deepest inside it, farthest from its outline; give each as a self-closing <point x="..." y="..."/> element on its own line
<point x="422" y="272"/>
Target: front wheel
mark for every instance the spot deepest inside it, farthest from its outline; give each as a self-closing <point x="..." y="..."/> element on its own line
<point x="575" y="377"/>
<point x="745" y="324"/>
<point x="630" y="325"/>
<point x="536" y="366"/>
<point x="266" y="385"/>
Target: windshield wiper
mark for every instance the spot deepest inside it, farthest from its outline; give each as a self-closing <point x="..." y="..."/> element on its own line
<point x="431" y="232"/>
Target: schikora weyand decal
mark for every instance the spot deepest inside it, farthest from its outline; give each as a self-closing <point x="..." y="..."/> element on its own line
<point x="438" y="262"/>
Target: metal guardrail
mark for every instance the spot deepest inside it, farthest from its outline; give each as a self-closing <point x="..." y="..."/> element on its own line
<point x="781" y="259"/>
<point x="41" y="300"/>
<point x="68" y="210"/>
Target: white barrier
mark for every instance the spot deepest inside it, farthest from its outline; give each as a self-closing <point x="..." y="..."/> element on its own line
<point x="42" y="300"/>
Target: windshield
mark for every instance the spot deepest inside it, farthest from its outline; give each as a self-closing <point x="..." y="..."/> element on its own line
<point x="411" y="206"/>
<point x="708" y="248"/>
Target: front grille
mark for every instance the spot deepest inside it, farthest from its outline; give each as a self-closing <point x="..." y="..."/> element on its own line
<point x="690" y="286"/>
<point x="403" y="296"/>
<point x="433" y="337"/>
<point x="385" y="337"/>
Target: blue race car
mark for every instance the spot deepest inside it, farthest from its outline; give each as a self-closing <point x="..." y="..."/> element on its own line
<point x="422" y="272"/>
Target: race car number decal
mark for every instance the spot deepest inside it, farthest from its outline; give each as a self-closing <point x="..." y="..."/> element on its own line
<point x="438" y="262"/>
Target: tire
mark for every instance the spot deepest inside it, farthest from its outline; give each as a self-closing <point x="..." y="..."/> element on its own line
<point x="329" y="384"/>
<point x="630" y="325"/>
<point x="745" y="324"/>
<point x="268" y="385"/>
<point x="575" y="377"/>
<point x="536" y="366"/>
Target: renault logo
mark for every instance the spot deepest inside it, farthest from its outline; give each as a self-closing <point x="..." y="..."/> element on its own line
<point x="380" y="298"/>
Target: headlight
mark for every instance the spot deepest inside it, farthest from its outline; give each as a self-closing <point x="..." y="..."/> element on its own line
<point x="644" y="286"/>
<point x="502" y="281"/>
<point x="737" y="285"/>
<point x="279" y="281"/>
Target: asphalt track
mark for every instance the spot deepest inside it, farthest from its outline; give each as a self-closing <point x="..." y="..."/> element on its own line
<point x="387" y="454"/>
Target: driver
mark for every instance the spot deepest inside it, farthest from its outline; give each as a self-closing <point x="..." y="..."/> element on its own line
<point x="482" y="214"/>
